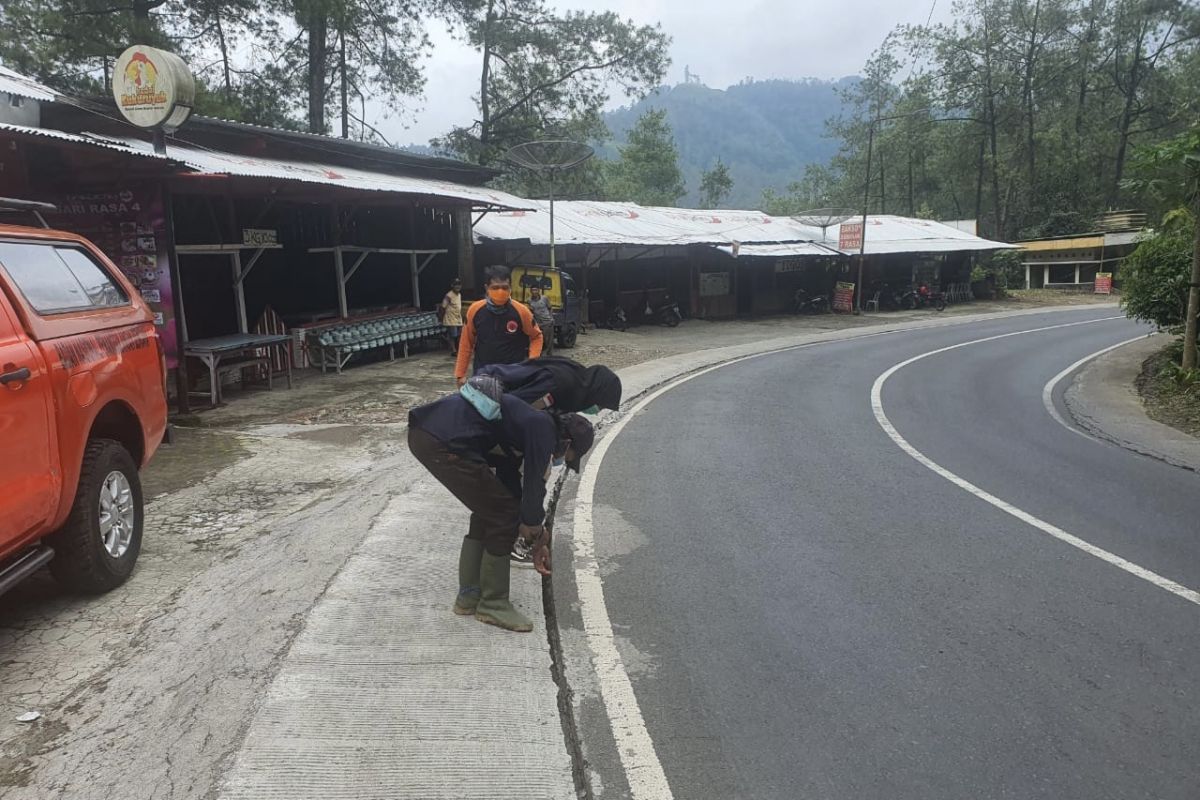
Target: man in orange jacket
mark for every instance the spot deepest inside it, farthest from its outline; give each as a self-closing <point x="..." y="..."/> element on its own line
<point x="497" y="330"/>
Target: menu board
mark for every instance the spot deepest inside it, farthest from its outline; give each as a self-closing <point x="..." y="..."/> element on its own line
<point x="843" y="297"/>
<point x="128" y="224"/>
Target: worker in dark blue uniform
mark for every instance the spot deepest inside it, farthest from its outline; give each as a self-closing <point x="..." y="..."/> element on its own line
<point x="498" y="469"/>
<point x="558" y="382"/>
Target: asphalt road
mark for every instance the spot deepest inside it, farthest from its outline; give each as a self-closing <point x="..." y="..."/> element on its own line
<point x="805" y="611"/>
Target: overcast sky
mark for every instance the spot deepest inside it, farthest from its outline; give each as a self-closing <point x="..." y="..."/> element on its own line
<point x="721" y="41"/>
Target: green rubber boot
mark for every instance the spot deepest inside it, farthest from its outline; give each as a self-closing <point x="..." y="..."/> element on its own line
<point x="494" y="607"/>
<point x="469" y="559"/>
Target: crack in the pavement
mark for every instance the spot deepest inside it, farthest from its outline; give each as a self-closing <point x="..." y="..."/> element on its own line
<point x="558" y="669"/>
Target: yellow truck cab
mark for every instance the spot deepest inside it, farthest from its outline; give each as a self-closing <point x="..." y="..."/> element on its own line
<point x="559" y="289"/>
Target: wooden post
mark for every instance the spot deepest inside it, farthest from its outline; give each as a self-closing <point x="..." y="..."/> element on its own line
<point x="416" y="286"/>
<point x="338" y="267"/>
<point x="239" y="290"/>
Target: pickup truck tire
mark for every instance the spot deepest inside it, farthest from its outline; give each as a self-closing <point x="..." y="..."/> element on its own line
<point x="109" y="490"/>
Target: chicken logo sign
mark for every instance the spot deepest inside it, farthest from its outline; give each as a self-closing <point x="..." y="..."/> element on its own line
<point x="141" y="84"/>
<point x="153" y="88"/>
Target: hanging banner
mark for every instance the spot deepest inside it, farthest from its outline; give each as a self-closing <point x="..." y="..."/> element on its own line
<point x="850" y="236"/>
<point x="1103" y="283"/>
<point x="129" y="226"/>
<point x="843" y="297"/>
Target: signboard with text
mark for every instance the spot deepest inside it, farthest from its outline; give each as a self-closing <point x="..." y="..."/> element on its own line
<point x="843" y="297"/>
<point x="1103" y="283"/>
<point x="152" y="87"/>
<point x="714" y="284"/>
<point x="129" y="226"/>
<point x="258" y="237"/>
<point x="850" y="236"/>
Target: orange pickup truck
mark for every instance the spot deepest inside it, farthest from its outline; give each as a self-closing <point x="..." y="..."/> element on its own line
<point x="82" y="408"/>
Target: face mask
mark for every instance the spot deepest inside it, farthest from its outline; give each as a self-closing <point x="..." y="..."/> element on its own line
<point x="559" y="461"/>
<point x="499" y="296"/>
<point x="591" y="410"/>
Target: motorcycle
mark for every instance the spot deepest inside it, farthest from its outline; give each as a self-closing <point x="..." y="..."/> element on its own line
<point x="617" y="321"/>
<point x="665" y="313"/>
<point x="928" y="297"/>
<point x="803" y="303"/>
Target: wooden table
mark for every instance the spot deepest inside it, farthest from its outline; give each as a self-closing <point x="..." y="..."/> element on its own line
<point x="218" y="348"/>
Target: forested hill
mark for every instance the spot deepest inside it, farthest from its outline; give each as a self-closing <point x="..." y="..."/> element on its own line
<point x="765" y="131"/>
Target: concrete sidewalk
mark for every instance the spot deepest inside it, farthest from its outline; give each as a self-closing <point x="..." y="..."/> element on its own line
<point x="387" y="694"/>
<point x="1103" y="399"/>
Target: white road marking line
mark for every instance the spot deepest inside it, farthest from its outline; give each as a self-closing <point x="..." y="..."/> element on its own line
<point x="643" y="770"/>
<point x="1048" y="389"/>
<point x="1169" y="585"/>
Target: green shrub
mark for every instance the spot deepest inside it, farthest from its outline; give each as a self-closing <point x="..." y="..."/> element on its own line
<point x="1154" y="278"/>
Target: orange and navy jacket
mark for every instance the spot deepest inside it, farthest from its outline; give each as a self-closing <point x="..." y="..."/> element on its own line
<point x="508" y="337"/>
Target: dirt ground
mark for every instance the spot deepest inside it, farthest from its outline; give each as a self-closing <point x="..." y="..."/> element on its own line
<point x="1166" y="401"/>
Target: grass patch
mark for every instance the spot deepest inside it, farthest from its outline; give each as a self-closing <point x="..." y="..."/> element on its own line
<point x="1169" y="399"/>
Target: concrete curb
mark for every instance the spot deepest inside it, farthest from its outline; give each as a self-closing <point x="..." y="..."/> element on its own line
<point x="1103" y="400"/>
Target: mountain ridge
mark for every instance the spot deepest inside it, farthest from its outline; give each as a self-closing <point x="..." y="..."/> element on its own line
<point x="765" y="131"/>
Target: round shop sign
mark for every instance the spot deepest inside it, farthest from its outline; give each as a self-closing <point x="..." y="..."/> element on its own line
<point x="153" y="88"/>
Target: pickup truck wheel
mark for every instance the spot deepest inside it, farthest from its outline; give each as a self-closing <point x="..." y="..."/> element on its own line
<point x="568" y="336"/>
<point x="98" y="546"/>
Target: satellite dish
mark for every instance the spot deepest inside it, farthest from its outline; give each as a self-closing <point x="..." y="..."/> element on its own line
<point x="824" y="218"/>
<point x="550" y="156"/>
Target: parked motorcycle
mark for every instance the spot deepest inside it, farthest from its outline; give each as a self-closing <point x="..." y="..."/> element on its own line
<point x="804" y="303"/>
<point x="928" y="297"/>
<point x="665" y="313"/>
<point x="616" y="320"/>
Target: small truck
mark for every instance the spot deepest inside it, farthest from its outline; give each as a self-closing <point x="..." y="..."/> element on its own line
<point x="83" y="407"/>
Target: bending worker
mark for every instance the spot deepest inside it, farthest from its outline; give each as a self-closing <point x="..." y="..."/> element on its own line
<point x="558" y="382"/>
<point x="504" y="493"/>
<point x="497" y="330"/>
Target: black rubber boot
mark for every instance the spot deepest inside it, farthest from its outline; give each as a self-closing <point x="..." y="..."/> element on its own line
<point x="469" y="559"/>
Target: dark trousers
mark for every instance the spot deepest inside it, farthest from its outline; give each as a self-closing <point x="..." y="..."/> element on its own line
<point x="495" y="512"/>
<point x="547" y="338"/>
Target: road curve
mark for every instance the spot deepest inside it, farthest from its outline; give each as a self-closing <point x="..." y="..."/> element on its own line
<point x="804" y="610"/>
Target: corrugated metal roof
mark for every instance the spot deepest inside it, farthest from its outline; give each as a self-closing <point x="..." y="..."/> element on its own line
<point x="793" y="250"/>
<point x="755" y="233"/>
<point x="213" y="162"/>
<point x="25" y="132"/>
<point x="331" y="145"/>
<point x="22" y="86"/>
<point x="888" y="234"/>
<point x="591" y="222"/>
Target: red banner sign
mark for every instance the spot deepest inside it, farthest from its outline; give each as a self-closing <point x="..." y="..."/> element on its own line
<point x="1103" y="283"/>
<point x="843" y="297"/>
<point x="850" y="236"/>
